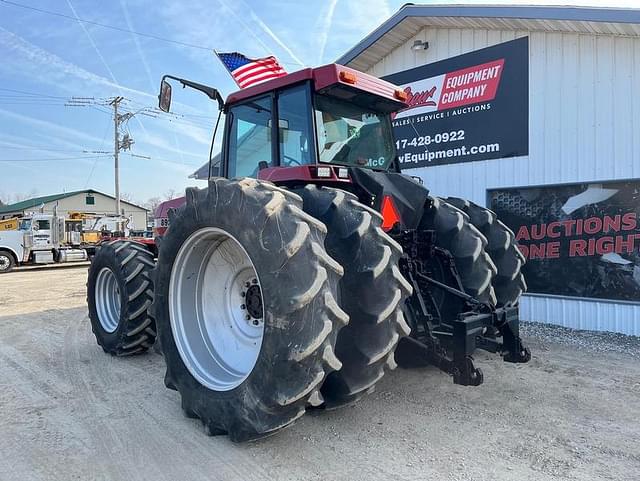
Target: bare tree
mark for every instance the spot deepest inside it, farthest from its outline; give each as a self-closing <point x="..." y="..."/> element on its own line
<point x="170" y="194"/>
<point x="17" y="197"/>
<point x="152" y="203"/>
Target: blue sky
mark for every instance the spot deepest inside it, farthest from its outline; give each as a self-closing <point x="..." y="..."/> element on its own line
<point x="47" y="60"/>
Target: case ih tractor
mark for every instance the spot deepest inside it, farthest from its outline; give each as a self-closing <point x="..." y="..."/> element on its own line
<point x="310" y="265"/>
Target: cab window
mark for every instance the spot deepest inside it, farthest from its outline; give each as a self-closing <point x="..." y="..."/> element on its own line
<point x="295" y="131"/>
<point x="250" y="138"/>
<point x="43" y="225"/>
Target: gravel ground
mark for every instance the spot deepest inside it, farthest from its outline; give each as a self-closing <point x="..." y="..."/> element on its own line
<point x="68" y="411"/>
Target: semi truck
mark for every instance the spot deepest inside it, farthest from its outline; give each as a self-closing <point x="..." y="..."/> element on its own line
<point x="42" y="239"/>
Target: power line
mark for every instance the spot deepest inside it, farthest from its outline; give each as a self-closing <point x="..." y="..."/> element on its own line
<point x="104" y="25"/>
<point x="120" y="29"/>
<point x="95" y="162"/>
<point x="31" y="93"/>
<point x="46" y="149"/>
<point x="171" y="161"/>
<point x="45" y="159"/>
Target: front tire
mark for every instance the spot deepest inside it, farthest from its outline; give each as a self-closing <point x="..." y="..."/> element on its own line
<point x="7" y="262"/>
<point x="119" y="293"/>
<point x="260" y="382"/>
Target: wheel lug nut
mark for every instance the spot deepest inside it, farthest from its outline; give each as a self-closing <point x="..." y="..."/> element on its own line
<point x="255" y="281"/>
<point x="247" y="284"/>
<point x="242" y="294"/>
<point x="242" y="306"/>
<point x="256" y="322"/>
<point x="247" y="317"/>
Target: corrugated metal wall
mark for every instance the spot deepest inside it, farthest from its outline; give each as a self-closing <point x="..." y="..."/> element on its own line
<point x="584" y="125"/>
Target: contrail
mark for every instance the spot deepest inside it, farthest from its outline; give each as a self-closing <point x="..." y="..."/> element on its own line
<point x="264" y="27"/>
<point x="245" y="25"/>
<point x="44" y="58"/>
<point x="275" y="38"/>
<point x="145" y="64"/>
<point x="93" y="44"/>
<point x="51" y="126"/>
<point x="102" y="59"/>
<point x="326" y="25"/>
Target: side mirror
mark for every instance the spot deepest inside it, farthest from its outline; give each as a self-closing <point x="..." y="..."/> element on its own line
<point x="164" y="99"/>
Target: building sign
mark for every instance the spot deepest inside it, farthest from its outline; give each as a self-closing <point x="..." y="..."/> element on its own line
<point x="471" y="107"/>
<point x="579" y="240"/>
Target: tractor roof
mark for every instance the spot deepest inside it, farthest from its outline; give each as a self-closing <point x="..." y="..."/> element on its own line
<point x="326" y="77"/>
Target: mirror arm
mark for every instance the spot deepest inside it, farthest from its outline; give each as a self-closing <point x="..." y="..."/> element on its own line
<point x="210" y="92"/>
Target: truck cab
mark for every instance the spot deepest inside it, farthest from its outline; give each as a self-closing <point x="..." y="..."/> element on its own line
<point x="40" y="239"/>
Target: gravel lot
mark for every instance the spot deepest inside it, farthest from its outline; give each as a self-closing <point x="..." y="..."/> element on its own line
<point x="68" y="411"/>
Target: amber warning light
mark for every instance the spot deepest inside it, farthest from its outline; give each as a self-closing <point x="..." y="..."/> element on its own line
<point x="401" y="95"/>
<point x="348" y="77"/>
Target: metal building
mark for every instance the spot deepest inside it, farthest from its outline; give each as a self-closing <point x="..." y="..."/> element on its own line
<point x="569" y="183"/>
<point x="86" y="201"/>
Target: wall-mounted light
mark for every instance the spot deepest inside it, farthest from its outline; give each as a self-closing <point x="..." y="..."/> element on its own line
<point x="419" y="45"/>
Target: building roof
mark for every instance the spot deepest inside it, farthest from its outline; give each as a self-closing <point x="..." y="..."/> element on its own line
<point x="410" y="19"/>
<point x="45" y="199"/>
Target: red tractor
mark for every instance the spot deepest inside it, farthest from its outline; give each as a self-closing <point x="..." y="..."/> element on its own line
<point x="310" y="264"/>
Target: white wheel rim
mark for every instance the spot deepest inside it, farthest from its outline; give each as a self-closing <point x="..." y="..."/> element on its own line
<point x="5" y="262"/>
<point x="107" y="299"/>
<point x="215" y="309"/>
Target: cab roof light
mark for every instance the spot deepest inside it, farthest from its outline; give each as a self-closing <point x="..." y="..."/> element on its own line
<point x="348" y="77"/>
<point x="343" y="173"/>
<point x="401" y="95"/>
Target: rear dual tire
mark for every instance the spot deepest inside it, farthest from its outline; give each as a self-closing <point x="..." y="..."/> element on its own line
<point x="466" y="244"/>
<point x="465" y="247"/>
<point x="372" y="292"/>
<point x="509" y="283"/>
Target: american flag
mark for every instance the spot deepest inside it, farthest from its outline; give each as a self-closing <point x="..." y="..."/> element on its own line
<point x="250" y="71"/>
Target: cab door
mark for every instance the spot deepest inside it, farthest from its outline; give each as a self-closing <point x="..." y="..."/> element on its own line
<point x="254" y="140"/>
<point x="249" y="145"/>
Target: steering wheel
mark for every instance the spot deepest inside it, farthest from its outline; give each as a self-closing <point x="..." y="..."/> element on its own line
<point x="291" y="160"/>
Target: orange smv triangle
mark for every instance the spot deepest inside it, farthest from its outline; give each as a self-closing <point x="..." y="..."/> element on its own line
<point x="389" y="213"/>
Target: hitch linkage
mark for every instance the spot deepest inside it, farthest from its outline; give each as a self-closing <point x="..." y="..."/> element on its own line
<point x="448" y="343"/>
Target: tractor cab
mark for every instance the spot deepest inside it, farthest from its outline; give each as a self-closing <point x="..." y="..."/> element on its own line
<point x="314" y="123"/>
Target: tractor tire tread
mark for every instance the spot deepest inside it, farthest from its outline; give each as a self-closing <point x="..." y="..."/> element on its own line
<point x="302" y="316"/>
<point x="131" y="264"/>
<point x="372" y="292"/>
<point x="509" y="283"/>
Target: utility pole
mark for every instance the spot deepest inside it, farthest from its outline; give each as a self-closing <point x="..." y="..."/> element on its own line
<point x="124" y="144"/>
<point x="116" y="148"/>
